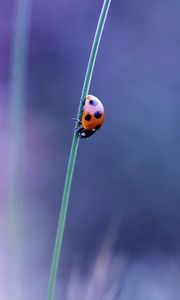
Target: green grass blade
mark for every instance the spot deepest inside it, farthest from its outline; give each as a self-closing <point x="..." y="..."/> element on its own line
<point x="18" y="79"/>
<point x="73" y="153"/>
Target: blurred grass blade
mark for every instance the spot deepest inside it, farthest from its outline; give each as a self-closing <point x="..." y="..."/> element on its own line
<point x="73" y="153"/>
<point x="18" y="79"/>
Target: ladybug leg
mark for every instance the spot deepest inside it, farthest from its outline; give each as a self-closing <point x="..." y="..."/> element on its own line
<point x="78" y="124"/>
<point x="83" y="101"/>
<point x="77" y="120"/>
<point x="78" y="128"/>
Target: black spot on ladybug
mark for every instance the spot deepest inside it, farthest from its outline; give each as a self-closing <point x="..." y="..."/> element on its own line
<point x="98" y="114"/>
<point x="97" y="127"/>
<point x="93" y="102"/>
<point x="88" y="117"/>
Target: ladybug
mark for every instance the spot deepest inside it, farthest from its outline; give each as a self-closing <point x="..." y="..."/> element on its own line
<point x="92" y="117"/>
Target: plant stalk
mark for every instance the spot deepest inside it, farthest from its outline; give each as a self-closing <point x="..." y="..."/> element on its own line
<point x="73" y="153"/>
<point x="18" y="83"/>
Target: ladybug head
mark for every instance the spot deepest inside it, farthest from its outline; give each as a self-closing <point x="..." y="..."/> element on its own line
<point x="84" y="133"/>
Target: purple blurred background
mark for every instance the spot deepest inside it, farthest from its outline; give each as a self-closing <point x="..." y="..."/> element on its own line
<point x="127" y="175"/>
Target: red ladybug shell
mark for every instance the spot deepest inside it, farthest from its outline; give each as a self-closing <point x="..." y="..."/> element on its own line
<point x="93" y="114"/>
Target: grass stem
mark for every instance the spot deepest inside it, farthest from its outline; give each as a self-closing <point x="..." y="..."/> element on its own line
<point x="73" y="153"/>
<point x="18" y="80"/>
